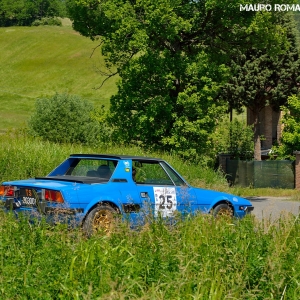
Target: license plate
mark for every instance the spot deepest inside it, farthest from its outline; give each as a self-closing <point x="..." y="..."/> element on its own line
<point x="28" y="197"/>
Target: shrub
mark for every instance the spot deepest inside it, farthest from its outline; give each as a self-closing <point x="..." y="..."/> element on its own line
<point x="52" y="21"/>
<point x="235" y="138"/>
<point x="65" y="119"/>
<point x="290" y="140"/>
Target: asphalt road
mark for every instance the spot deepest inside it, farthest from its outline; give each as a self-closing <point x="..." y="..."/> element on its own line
<point x="274" y="207"/>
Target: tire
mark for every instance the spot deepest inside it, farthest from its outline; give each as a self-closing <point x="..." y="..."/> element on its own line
<point x="223" y="210"/>
<point x="100" y="220"/>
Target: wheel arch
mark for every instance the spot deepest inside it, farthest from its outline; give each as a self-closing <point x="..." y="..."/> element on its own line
<point x="102" y="202"/>
<point x="224" y="201"/>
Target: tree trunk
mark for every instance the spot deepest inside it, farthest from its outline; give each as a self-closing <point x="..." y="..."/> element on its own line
<point x="257" y="145"/>
<point x="268" y="125"/>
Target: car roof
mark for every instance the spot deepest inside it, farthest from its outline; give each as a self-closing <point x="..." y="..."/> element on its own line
<point x="115" y="156"/>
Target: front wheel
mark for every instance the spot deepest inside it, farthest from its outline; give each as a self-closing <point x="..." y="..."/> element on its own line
<point x="100" y="219"/>
<point x="223" y="210"/>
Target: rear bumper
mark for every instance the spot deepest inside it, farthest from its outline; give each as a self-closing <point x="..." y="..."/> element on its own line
<point x="52" y="214"/>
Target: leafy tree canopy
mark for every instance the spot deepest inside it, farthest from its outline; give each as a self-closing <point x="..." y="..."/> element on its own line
<point x="24" y="12"/>
<point x="173" y="57"/>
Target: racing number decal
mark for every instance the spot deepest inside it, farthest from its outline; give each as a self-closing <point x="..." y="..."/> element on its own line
<point x="165" y="201"/>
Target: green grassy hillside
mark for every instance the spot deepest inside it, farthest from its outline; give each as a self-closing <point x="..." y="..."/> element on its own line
<point x="40" y="61"/>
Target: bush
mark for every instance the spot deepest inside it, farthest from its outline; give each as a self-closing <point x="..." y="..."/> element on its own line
<point x="235" y="138"/>
<point x="52" y="21"/>
<point x="65" y="119"/>
<point x="290" y="139"/>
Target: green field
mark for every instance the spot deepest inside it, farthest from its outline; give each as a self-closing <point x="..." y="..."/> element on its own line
<point x="40" y="61"/>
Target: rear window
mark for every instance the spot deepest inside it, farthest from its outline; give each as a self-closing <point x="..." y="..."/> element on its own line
<point x="100" y="168"/>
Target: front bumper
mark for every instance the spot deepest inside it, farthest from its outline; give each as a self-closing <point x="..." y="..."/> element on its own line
<point x="249" y="209"/>
<point x="241" y="211"/>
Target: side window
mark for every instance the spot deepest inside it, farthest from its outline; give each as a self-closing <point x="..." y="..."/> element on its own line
<point x="148" y="172"/>
<point x="177" y="180"/>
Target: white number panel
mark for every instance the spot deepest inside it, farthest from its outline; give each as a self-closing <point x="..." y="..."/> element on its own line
<point x="165" y="201"/>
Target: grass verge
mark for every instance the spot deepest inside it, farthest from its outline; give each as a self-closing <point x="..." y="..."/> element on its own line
<point x="199" y="258"/>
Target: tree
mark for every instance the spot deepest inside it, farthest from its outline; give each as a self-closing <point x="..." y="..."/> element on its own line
<point x="172" y="57"/>
<point x="260" y="79"/>
<point x="24" y="12"/>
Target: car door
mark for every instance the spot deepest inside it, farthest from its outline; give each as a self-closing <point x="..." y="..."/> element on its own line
<point x="187" y="201"/>
<point x="162" y="190"/>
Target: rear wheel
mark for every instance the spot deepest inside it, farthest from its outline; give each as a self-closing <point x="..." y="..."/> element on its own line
<point x="223" y="210"/>
<point x="100" y="220"/>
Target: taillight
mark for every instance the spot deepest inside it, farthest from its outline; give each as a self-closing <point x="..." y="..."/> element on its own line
<point x="2" y="190"/>
<point x="55" y="196"/>
<point x="7" y="191"/>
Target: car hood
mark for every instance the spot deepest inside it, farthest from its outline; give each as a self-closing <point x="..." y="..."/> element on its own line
<point x="213" y="197"/>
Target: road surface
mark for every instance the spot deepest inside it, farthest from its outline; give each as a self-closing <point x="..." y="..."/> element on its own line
<point x="274" y="207"/>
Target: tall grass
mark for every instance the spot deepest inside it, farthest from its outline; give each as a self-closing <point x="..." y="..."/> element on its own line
<point x="24" y="157"/>
<point x="199" y="258"/>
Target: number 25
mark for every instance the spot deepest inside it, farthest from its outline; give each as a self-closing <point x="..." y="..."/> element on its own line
<point x="163" y="200"/>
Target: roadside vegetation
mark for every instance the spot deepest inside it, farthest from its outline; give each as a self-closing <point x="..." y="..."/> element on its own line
<point x="23" y="156"/>
<point x="198" y="258"/>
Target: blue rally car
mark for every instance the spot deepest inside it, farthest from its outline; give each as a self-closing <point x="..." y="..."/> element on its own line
<point x="92" y="189"/>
